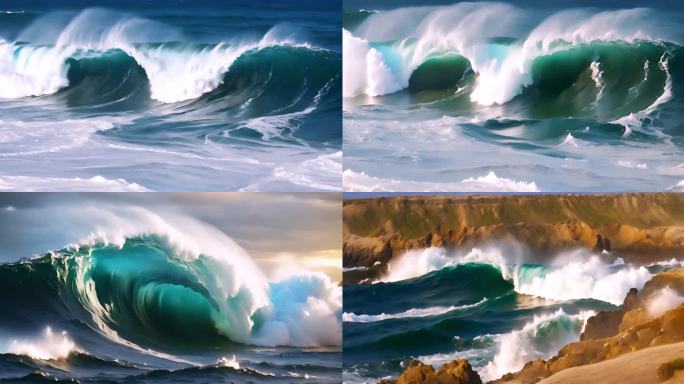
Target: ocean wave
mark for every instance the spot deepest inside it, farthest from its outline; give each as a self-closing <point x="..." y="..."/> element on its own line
<point x="97" y="59"/>
<point x="576" y="275"/>
<point x="149" y="293"/>
<point x="361" y="182"/>
<point x="142" y="282"/>
<point x="540" y="338"/>
<point x="575" y="55"/>
<point x="319" y="173"/>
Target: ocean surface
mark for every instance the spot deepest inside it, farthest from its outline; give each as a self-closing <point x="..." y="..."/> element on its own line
<point x="485" y="305"/>
<point x="513" y="96"/>
<point x="170" y="95"/>
<point x="144" y="309"/>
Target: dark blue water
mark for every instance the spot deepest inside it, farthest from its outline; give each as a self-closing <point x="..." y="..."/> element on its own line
<point x="170" y="95"/>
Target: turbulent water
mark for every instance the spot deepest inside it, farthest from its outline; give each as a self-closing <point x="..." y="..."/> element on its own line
<point x="494" y="97"/>
<point x="145" y="309"/>
<point x="438" y="306"/>
<point x="171" y="97"/>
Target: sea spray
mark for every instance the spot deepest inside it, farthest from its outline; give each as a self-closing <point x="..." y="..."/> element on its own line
<point x="541" y="338"/>
<point x="503" y="70"/>
<point x="194" y="68"/>
<point x="578" y="274"/>
<point x="143" y="280"/>
<point x="49" y="346"/>
<point x="578" y="279"/>
<point x="663" y="300"/>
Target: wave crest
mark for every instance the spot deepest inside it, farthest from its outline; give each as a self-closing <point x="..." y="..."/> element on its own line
<point x="97" y="39"/>
<point x="578" y="274"/>
<point x="551" y="58"/>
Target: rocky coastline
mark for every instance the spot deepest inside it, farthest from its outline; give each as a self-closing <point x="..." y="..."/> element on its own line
<point x="640" y="228"/>
<point x="646" y="331"/>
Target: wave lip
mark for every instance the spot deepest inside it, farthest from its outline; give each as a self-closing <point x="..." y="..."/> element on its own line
<point x="163" y="296"/>
<point x="593" y="59"/>
<point x="539" y="338"/>
<point x="580" y="275"/>
<point x="139" y="282"/>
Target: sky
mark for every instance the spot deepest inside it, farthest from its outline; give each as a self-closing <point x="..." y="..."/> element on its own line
<point x="276" y="229"/>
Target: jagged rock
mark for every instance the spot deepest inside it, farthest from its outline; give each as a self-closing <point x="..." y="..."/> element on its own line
<point x="638" y="228"/>
<point x="462" y="371"/>
<point x="631" y="300"/>
<point x="637" y="330"/>
<point x="607" y="323"/>
<point x="602" y="325"/>
<point x="455" y="372"/>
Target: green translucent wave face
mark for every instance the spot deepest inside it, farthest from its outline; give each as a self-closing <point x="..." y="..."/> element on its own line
<point x="111" y="80"/>
<point x="151" y="297"/>
<point x="438" y="73"/>
<point x="599" y="80"/>
<point x="632" y="78"/>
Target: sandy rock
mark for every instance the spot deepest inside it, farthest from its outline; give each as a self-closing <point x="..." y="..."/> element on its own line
<point x="455" y="372"/>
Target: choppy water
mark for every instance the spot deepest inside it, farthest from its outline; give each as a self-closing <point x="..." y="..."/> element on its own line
<point x="170" y="96"/>
<point x="438" y="306"/>
<point x="497" y="97"/>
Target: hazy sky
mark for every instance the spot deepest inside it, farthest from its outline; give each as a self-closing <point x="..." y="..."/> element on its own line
<point x="274" y="228"/>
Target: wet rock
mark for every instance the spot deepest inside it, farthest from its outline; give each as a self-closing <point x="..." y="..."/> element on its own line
<point x="455" y="372"/>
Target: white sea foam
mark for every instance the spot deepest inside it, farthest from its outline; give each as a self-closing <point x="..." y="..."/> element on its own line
<point x="569" y="141"/>
<point x="571" y="276"/>
<point x="540" y="338"/>
<point x="635" y="119"/>
<point x="663" y="301"/>
<point x="411" y="313"/>
<point x="502" y="70"/>
<point x="321" y="172"/>
<point x="55" y="184"/>
<point x="49" y="346"/>
<point x="361" y="182"/>
<point x="597" y="76"/>
<point x="364" y="69"/>
<point x="632" y="164"/>
<point x="176" y="72"/>
<point x="582" y="277"/>
<point x="231" y="362"/>
<point x="415" y="263"/>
